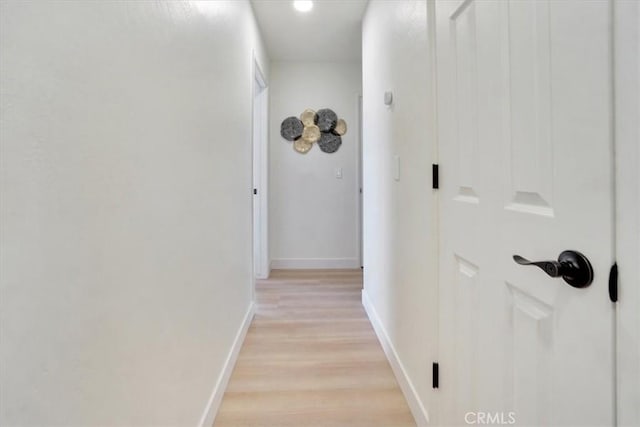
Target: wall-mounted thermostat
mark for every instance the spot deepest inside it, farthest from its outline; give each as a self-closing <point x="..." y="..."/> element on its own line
<point x="388" y="98"/>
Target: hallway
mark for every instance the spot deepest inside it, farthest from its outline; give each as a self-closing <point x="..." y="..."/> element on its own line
<point x="479" y="159"/>
<point x="311" y="357"/>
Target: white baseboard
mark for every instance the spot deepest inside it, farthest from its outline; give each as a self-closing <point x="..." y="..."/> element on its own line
<point x="215" y="400"/>
<point x="314" y="263"/>
<point x="419" y="412"/>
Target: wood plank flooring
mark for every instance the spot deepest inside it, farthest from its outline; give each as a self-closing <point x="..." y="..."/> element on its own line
<point x="311" y="358"/>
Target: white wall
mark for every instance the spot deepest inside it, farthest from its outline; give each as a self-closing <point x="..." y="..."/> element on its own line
<point x="126" y="207"/>
<point x="400" y="257"/>
<point x="313" y="215"/>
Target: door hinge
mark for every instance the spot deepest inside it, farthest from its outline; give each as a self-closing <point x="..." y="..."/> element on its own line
<point x="255" y="191"/>
<point x="435" y="176"/>
<point x="435" y="375"/>
<point x="613" y="283"/>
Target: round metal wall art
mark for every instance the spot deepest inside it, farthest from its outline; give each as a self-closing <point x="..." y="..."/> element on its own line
<point x="323" y="127"/>
<point x="302" y="145"/>
<point x="329" y="142"/>
<point x="327" y="119"/>
<point x="291" y="128"/>
<point x="311" y="133"/>
<point x="308" y="117"/>
<point x="341" y="127"/>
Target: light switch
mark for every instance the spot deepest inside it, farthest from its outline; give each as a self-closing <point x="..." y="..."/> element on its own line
<point x="396" y="167"/>
<point x="339" y="173"/>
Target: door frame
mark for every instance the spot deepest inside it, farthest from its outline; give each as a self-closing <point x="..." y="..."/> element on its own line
<point x="434" y="409"/>
<point x="626" y="137"/>
<point x="359" y="183"/>
<point x="260" y="172"/>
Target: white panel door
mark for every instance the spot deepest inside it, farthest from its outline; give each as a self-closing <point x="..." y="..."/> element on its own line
<point x="524" y="129"/>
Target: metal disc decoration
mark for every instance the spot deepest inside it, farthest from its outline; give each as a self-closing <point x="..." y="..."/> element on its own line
<point x="311" y="133"/>
<point x="327" y="119"/>
<point x="341" y="127"/>
<point x="329" y="142"/>
<point x="302" y="145"/>
<point x="308" y="117"/>
<point x="291" y="128"/>
<point x="322" y="127"/>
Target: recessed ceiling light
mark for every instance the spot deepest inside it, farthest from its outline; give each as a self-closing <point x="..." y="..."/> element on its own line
<point x="303" y="5"/>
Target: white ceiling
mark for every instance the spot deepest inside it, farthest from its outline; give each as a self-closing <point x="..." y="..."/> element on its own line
<point x="331" y="31"/>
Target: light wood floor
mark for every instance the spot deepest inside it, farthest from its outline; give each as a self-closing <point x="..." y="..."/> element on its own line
<point x="311" y="358"/>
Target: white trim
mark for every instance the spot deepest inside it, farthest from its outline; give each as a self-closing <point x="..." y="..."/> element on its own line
<point x="209" y="414"/>
<point x="260" y="171"/>
<point x="418" y="410"/>
<point x="359" y="182"/>
<point x="313" y="263"/>
<point x="257" y="71"/>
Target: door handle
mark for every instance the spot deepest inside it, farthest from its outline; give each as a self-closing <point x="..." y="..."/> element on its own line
<point x="572" y="266"/>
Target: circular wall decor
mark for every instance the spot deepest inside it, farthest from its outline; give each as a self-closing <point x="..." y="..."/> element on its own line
<point x="311" y="133"/>
<point x="291" y="128"/>
<point x="341" y="127"/>
<point x="308" y="117"/>
<point x="327" y="119"/>
<point x="329" y="143"/>
<point x="302" y="145"/>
